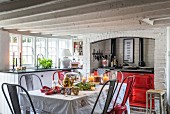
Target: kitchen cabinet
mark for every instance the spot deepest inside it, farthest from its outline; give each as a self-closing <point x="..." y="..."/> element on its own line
<point x="46" y="77"/>
<point x="143" y="82"/>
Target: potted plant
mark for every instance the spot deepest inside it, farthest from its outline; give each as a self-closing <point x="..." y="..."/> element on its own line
<point x="45" y="63"/>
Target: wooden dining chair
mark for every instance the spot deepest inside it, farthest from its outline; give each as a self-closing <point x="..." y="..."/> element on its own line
<point x="121" y="108"/>
<point x="29" y="81"/>
<point x="111" y="91"/>
<point x="13" y="100"/>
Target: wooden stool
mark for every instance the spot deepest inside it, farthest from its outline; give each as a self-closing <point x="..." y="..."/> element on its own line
<point x="155" y="94"/>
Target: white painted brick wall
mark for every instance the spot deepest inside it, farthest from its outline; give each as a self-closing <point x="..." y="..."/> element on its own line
<point x="105" y="47"/>
<point x="159" y="34"/>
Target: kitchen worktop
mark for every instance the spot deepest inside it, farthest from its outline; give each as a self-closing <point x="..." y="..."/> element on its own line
<point x="138" y="70"/>
<point x="36" y="70"/>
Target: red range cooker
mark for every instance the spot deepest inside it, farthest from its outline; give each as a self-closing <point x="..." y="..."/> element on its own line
<point x="143" y="82"/>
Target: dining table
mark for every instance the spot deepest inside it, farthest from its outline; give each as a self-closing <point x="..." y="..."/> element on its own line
<point x="71" y="104"/>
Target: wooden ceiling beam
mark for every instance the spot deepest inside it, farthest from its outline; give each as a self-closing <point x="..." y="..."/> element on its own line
<point x="55" y="6"/>
<point x="98" y="12"/>
<point x="18" y="5"/>
<point x="92" y="25"/>
<point x="61" y="36"/>
<point x="162" y="21"/>
<point x="123" y="17"/>
<point x="104" y="30"/>
<point x="107" y="29"/>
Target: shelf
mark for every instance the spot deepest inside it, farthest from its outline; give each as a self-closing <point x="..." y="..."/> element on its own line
<point x="78" y="48"/>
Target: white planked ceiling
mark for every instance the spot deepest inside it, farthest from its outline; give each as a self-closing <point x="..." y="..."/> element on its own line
<point x="77" y="17"/>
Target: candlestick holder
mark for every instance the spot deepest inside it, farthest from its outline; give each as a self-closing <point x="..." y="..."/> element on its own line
<point x="13" y="64"/>
<point x="20" y="64"/>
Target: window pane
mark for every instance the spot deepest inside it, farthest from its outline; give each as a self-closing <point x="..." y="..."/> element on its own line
<point x="24" y="59"/>
<point x="29" y="40"/>
<point x="38" y="50"/>
<point x="41" y="46"/>
<point x="42" y="50"/>
<point x="24" y="51"/>
<point x="29" y="60"/>
<point x="23" y="41"/>
<point x="27" y="49"/>
<point x="52" y="50"/>
<point x="13" y="47"/>
<point x="14" y="39"/>
<point x="11" y="60"/>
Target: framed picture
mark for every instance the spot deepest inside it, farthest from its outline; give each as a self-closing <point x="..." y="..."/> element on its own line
<point x="128" y="50"/>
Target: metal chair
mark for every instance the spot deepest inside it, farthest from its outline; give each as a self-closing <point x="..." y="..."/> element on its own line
<point x="120" y="108"/>
<point x="60" y="76"/>
<point x="29" y="81"/>
<point x="110" y="94"/>
<point x="13" y="96"/>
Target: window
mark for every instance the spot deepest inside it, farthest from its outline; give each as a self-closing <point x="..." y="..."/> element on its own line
<point x="65" y="44"/>
<point x="28" y="50"/>
<point x="41" y="46"/>
<point x="52" y="50"/>
<point x="30" y="47"/>
<point x="14" y="47"/>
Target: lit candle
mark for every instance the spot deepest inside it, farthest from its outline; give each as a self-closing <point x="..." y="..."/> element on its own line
<point x="93" y="88"/>
<point x="91" y="78"/>
<point x="105" y="78"/>
<point x="84" y="80"/>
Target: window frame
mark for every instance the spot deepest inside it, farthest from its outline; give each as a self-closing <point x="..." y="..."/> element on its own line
<point x="17" y="53"/>
<point x="33" y="50"/>
<point x="68" y="45"/>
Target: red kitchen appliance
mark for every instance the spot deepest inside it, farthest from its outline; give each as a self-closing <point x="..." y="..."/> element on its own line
<point x="143" y="82"/>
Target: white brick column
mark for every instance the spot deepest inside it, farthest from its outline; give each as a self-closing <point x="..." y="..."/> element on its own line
<point x="159" y="34"/>
<point x="168" y="64"/>
<point x="4" y="50"/>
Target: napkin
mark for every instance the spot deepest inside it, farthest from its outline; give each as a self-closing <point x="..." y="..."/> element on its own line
<point x="49" y="91"/>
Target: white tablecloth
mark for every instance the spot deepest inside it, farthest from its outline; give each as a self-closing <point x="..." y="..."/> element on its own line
<point x="81" y="104"/>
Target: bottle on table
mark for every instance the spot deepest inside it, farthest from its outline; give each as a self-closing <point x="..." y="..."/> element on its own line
<point x="115" y="62"/>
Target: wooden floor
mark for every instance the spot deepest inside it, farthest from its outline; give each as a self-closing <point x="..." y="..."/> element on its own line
<point x="136" y="112"/>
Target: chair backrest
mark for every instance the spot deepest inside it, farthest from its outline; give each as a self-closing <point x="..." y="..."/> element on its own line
<point x="13" y="97"/>
<point x="111" y="91"/>
<point x="29" y="80"/>
<point x="61" y="75"/>
<point x="130" y="82"/>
